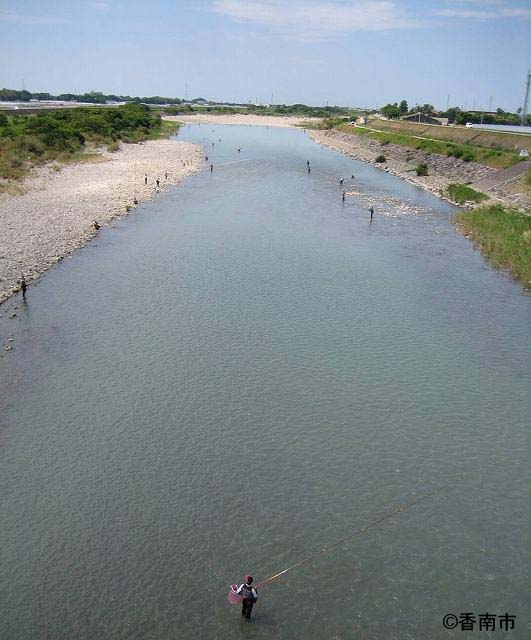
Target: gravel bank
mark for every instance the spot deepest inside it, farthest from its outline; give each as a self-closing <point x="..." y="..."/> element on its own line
<point x="242" y="118"/>
<point x="55" y="216"/>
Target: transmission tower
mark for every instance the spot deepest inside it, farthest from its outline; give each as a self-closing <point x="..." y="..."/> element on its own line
<point x="526" y="100"/>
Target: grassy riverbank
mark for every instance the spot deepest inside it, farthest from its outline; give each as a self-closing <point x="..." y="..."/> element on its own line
<point x="504" y="237"/>
<point x="458" y="135"/>
<point x="27" y="141"/>
<point x="497" y="158"/>
<point x="461" y="193"/>
<point x="164" y="130"/>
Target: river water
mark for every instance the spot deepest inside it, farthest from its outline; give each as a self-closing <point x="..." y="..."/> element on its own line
<point x="247" y="370"/>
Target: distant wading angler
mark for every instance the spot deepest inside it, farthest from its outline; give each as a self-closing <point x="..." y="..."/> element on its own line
<point x="249" y="596"/>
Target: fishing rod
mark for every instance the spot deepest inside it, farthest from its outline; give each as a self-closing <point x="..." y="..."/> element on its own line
<point x="362" y="530"/>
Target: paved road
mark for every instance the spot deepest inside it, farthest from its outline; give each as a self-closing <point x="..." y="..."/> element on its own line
<point x="495" y="179"/>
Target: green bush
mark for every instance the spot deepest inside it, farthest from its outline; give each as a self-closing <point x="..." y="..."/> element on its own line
<point x="27" y="140"/>
<point x="422" y="169"/>
<point x="380" y="158"/>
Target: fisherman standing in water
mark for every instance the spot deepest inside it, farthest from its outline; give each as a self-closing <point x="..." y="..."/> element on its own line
<point x="249" y="596"/>
<point x="24" y="286"/>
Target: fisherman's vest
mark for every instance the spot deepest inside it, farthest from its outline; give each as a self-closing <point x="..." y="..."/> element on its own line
<point x="247" y="592"/>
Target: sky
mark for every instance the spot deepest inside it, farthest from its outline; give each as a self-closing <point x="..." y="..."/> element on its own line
<point x="347" y="52"/>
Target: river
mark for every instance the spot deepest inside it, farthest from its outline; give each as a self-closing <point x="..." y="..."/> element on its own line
<point x="247" y="370"/>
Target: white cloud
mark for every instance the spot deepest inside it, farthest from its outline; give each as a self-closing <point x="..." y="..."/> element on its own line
<point x="489" y="14"/>
<point x="466" y="13"/>
<point x="318" y="20"/>
<point x="482" y="2"/>
<point x="517" y="13"/>
<point x="18" y="18"/>
<point x="100" y="5"/>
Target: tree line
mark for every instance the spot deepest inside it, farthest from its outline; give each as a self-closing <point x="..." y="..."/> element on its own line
<point x="455" y="115"/>
<point x="93" y="97"/>
<point x="301" y="110"/>
<point x="197" y="105"/>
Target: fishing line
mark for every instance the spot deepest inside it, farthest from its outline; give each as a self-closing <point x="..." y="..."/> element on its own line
<point x="363" y="529"/>
<point x="221" y="164"/>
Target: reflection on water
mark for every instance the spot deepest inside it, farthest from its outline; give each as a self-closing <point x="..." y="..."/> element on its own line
<point x="245" y="371"/>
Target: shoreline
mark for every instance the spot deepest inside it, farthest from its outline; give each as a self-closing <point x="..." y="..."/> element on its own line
<point x="401" y="162"/>
<point x="367" y="150"/>
<point x="54" y="215"/>
<point x="496" y="239"/>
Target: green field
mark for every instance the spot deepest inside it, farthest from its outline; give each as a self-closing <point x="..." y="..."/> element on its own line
<point x="504" y="237"/>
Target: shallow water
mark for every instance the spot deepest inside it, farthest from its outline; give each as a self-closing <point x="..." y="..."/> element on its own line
<point x="245" y="371"/>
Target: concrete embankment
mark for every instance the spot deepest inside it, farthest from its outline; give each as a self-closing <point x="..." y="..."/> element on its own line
<point x="501" y="177"/>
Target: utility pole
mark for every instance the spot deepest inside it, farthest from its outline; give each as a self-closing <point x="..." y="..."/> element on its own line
<point x="185" y="92"/>
<point x="526" y="99"/>
<point x="447" y="102"/>
<point x="490" y="104"/>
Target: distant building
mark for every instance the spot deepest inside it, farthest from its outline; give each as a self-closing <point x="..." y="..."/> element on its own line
<point x="422" y="117"/>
